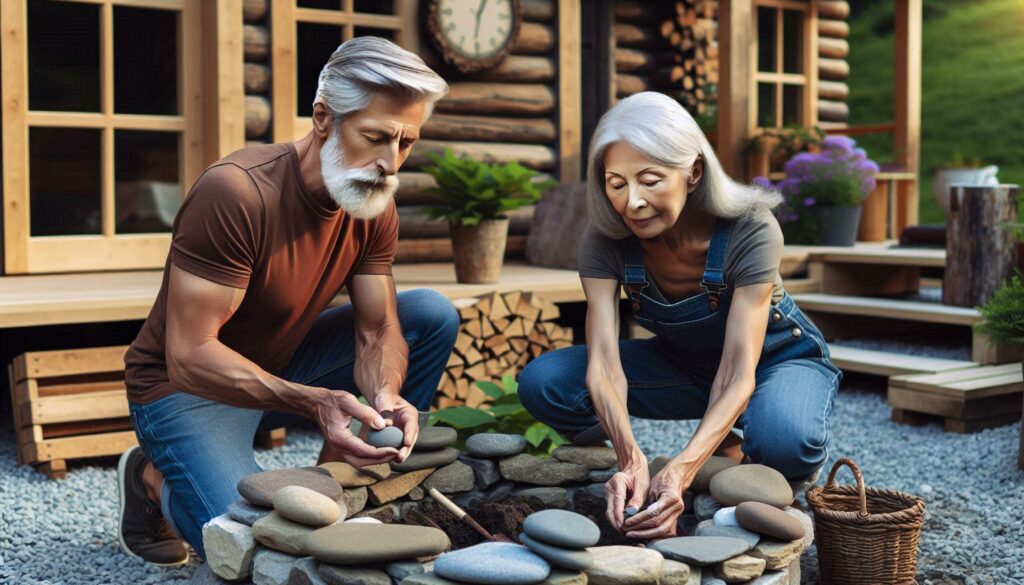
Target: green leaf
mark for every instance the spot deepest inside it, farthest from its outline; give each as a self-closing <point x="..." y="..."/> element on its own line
<point x="463" y="417"/>
<point x="510" y="384"/>
<point x="490" y="388"/>
<point x="536" y="434"/>
<point x="501" y="410"/>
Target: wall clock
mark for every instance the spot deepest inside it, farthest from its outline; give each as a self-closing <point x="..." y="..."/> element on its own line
<point x="473" y="35"/>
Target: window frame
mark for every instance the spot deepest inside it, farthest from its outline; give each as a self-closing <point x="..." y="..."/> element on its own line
<point x="808" y="79"/>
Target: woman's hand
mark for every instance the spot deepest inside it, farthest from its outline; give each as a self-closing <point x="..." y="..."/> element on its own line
<point x="660" y="518"/>
<point x="626" y="488"/>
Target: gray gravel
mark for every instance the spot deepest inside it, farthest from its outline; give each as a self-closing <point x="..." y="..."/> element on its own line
<point x="64" y="531"/>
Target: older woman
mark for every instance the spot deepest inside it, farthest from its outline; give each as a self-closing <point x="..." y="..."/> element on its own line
<point x="698" y="255"/>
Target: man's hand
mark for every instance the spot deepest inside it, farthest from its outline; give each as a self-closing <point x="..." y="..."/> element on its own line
<point x="404" y="415"/>
<point x="660" y="518"/>
<point x="334" y="413"/>
<point x="629" y="483"/>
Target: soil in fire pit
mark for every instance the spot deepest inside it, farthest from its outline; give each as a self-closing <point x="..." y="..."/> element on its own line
<point x="505" y="517"/>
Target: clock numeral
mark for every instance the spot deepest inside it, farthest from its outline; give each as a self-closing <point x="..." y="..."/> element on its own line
<point x="494" y="42"/>
<point x="447" y="12"/>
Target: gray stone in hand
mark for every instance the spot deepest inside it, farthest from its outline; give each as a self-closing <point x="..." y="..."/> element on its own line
<point x="386" y="437"/>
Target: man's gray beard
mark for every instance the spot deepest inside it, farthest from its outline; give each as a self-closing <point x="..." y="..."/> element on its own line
<point x="362" y="193"/>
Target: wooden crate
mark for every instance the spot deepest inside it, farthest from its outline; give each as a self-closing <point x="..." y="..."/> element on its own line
<point x="966" y="400"/>
<point x="71" y="404"/>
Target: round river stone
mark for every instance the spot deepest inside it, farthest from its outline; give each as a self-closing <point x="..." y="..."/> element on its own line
<point x="259" y="488"/>
<point x="575" y="559"/>
<point x="495" y="445"/>
<point x="493" y="563"/>
<point x="562" y="528"/>
<point x="426" y="460"/>
<point x="710" y="469"/>
<point x="699" y="550"/>
<point x="769" y="520"/>
<point x="351" y="543"/>
<point x="303" y="505"/>
<point x="434" y="438"/>
<point x="386" y="437"/>
<point x="751" y="483"/>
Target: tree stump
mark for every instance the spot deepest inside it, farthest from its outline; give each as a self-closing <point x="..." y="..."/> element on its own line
<point x="980" y="252"/>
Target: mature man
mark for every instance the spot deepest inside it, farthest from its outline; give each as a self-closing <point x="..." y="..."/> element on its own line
<point x="239" y="339"/>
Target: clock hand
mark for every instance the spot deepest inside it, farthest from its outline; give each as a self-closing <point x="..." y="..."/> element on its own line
<point x="479" y="13"/>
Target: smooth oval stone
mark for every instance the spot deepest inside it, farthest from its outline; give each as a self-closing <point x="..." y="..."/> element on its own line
<point x="259" y="488"/>
<point x="575" y="559"/>
<point x="769" y="520"/>
<point x="625" y="565"/>
<point x="710" y="469"/>
<point x="589" y="457"/>
<point x="751" y="483"/>
<point x="281" y="534"/>
<point x="386" y="437"/>
<point x="303" y="505"/>
<point x="699" y="550"/>
<point x="351" y="543"/>
<point x="493" y="563"/>
<point x="350" y="575"/>
<point x="426" y="459"/>
<point x="562" y="528"/>
<point x="726" y="517"/>
<point x="751" y="538"/>
<point x="495" y="445"/>
<point x="244" y="512"/>
<point x="434" y="438"/>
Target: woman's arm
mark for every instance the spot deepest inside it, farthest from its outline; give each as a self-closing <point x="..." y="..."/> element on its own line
<point x="606" y="383"/>
<point x="730" y="393"/>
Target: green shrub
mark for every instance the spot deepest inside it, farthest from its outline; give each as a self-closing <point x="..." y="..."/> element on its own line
<point x="1004" y="314"/>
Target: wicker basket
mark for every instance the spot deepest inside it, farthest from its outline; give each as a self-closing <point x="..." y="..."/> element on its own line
<point x="865" y="536"/>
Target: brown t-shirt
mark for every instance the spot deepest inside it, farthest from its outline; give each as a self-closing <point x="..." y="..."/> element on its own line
<point x="250" y="223"/>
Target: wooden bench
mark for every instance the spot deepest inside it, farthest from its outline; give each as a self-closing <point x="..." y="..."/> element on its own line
<point x="965" y="400"/>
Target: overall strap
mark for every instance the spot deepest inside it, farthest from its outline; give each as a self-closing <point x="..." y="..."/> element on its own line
<point x="635" y="279"/>
<point x="714" y="269"/>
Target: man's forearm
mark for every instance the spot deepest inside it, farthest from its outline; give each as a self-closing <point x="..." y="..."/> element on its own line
<point x="382" y="360"/>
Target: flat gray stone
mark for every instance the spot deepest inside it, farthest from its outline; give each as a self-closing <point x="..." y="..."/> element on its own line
<point x="493" y="563"/>
<point x="281" y="534"/>
<point x="624" y="565"/>
<point x="359" y="544"/>
<point x="434" y="438"/>
<point x="303" y="505"/>
<point x="589" y="457"/>
<point x="711" y="467"/>
<point x="602" y="475"/>
<point x="751" y="483"/>
<point x="552" y="497"/>
<point x="259" y="488"/>
<point x="350" y="476"/>
<point x="495" y="445"/>
<point x="399" y="570"/>
<point x="452" y="478"/>
<point x="485" y="471"/>
<point x="699" y="550"/>
<point x="336" y="575"/>
<point x="271" y="567"/>
<point x="244" y="512"/>
<point x="428" y="578"/>
<point x="305" y="572"/>
<point x="426" y="460"/>
<point x="387" y="437"/>
<point x="562" y="528"/>
<point x="230" y="547"/>
<point x="354" y="500"/>
<point x="573" y="559"/>
<point x="751" y="538"/>
<point x="550" y="472"/>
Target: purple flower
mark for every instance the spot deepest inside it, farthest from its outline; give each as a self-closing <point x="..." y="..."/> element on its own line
<point x="809" y="202"/>
<point x="842" y="145"/>
<point x="763" y="182"/>
<point x="789" y="186"/>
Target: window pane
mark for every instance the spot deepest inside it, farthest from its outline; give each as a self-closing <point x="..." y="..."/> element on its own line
<point x="792" y="105"/>
<point x="145" y="61"/>
<point x="63" y="56"/>
<point x="375" y="6"/>
<point x="315" y="42"/>
<point x="766" y="39"/>
<point x="766" y="105"/>
<point x="793" y="41"/>
<point x="365" y="31"/>
<point x="147" y="185"/>
<point x="321" y="4"/>
<point x="64" y="181"/>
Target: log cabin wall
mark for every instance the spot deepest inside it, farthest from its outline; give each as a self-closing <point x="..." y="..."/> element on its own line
<point x="255" y="14"/>
<point x="833" y="69"/>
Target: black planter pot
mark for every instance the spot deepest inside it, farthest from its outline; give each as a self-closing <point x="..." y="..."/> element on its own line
<point x="838" y="225"/>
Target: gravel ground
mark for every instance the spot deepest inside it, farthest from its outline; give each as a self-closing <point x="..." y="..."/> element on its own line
<point x="64" y="531"/>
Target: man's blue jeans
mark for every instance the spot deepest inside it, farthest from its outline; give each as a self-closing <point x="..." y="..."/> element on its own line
<point x="203" y="447"/>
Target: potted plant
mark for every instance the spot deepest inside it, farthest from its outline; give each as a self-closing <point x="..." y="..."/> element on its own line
<point x="770" y="148"/>
<point x="474" y="197"/>
<point x="961" y="170"/>
<point x="823" y="192"/>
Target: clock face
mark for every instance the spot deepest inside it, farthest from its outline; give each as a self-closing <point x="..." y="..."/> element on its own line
<point x="476" y="28"/>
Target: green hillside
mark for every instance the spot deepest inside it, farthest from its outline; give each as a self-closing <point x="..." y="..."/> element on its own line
<point x="972" y="98"/>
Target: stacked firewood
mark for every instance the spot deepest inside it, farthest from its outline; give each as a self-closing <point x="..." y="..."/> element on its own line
<point x="833" y="48"/>
<point x="256" y="47"/>
<point x="689" y="69"/>
<point x="500" y="333"/>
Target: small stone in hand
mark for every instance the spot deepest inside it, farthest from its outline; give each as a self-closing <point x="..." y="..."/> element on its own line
<point x="630" y="512"/>
<point x="386" y="437"/>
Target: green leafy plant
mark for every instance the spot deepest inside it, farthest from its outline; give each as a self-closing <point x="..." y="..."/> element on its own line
<point x="785" y="142"/>
<point x="471" y="191"/>
<point x="1004" y="313"/>
<point x="504" y="414"/>
<point x="959" y="161"/>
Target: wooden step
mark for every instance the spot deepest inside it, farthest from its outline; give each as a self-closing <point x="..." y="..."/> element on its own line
<point x="916" y="311"/>
<point x="887" y="363"/>
<point x="966" y="400"/>
<point x="879" y="255"/>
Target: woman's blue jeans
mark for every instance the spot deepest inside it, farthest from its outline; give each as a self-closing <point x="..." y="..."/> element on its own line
<point x="203" y="447"/>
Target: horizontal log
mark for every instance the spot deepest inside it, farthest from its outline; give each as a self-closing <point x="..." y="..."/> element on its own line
<point x="520" y="68"/>
<point x="534" y="156"/>
<point x="631" y="11"/>
<point x="836" y="29"/>
<point x="519" y="99"/>
<point x="254" y="10"/>
<point x="257" y="78"/>
<point x="834" y="9"/>
<point x="534" y="39"/>
<point x="255" y="43"/>
<point x="257" y="116"/>
<point x="489" y="129"/>
<point x="538" y="10"/>
<point x="627" y="85"/>
<point x="833" y="90"/>
<point x="833" y="69"/>
<point x="440" y="249"/>
<point x="630" y="35"/>
<point x="413" y="223"/>
<point x="633" y="60"/>
<point x="833" y="111"/>
<point x="833" y="48"/>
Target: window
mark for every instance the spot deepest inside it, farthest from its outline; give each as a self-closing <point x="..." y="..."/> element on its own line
<point x="101" y="130"/>
<point x="784" y="85"/>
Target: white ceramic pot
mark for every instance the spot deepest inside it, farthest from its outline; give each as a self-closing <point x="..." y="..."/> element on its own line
<point x="946" y="177"/>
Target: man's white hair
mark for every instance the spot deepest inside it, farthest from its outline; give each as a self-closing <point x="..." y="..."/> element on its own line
<point x="362" y="65"/>
<point x="660" y="128"/>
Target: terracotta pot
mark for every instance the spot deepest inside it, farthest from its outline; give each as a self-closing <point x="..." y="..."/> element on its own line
<point x="479" y="250"/>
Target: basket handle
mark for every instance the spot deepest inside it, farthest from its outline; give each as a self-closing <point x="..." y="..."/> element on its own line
<point x="860" y="483"/>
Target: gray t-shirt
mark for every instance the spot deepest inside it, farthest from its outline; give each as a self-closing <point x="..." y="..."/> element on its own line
<point x="753" y="256"/>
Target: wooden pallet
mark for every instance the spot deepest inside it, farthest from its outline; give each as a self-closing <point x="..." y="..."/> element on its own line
<point x="72" y="404"/>
<point x="966" y="400"/>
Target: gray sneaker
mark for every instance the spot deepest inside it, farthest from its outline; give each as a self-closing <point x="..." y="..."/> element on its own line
<point x="142" y="530"/>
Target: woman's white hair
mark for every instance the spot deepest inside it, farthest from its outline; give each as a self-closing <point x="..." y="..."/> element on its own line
<point x="660" y="128"/>
<point x="362" y="65"/>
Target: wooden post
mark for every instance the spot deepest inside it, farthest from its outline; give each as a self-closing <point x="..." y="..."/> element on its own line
<point x="223" y="79"/>
<point x="735" y="39"/>
<point x="907" y="98"/>
<point x="569" y="117"/>
<point x="980" y="251"/>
